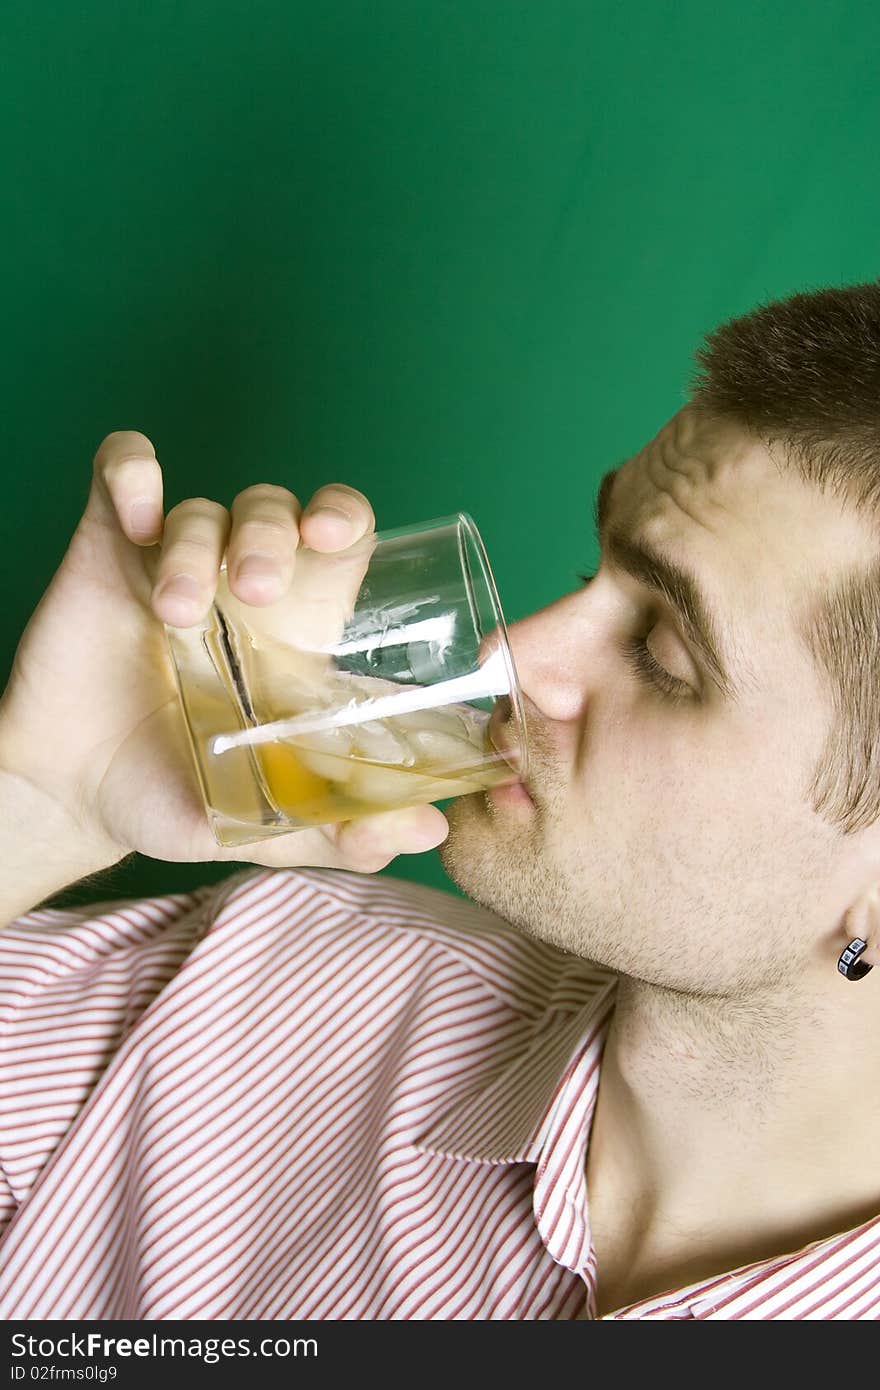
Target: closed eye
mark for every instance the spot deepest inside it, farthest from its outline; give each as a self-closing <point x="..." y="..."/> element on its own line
<point x="649" y="671"/>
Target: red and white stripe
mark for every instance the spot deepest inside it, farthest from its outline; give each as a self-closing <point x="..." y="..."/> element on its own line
<point x="315" y="1094"/>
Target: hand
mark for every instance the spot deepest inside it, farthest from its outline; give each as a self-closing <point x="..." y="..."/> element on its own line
<point x="91" y="714"/>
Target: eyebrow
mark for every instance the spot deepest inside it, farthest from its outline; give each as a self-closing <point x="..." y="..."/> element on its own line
<point x="663" y="576"/>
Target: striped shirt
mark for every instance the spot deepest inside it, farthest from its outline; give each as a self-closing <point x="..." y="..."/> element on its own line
<point x="316" y="1094"/>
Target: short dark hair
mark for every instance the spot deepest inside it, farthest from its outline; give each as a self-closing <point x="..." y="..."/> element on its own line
<point x="803" y="374"/>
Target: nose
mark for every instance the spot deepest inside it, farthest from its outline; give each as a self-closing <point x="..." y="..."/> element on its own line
<point x="557" y="656"/>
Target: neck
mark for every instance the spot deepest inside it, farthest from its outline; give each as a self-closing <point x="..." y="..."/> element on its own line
<point x="733" y="1130"/>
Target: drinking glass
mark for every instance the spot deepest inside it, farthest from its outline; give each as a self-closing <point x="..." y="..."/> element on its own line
<point x="382" y="678"/>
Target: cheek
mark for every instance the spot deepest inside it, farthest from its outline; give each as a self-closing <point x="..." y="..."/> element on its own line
<point x="683" y="839"/>
<point x="694" y="775"/>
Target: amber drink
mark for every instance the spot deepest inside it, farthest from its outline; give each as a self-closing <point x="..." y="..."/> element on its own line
<point x="370" y="685"/>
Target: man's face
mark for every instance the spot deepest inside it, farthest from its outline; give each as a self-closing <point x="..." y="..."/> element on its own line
<point x="671" y="838"/>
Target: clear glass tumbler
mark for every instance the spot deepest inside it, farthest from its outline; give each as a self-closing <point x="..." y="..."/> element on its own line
<point x="370" y="685"/>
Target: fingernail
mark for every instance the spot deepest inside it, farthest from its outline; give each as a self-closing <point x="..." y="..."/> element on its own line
<point x="146" y="517"/>
<point x="258" y="566"/>
<point x="334" y="513"/>
<point x="181" y="586"/>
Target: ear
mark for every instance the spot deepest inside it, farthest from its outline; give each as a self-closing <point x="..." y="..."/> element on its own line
<point x="862" y="919"/>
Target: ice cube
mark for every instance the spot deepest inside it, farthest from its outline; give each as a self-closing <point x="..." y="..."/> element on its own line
<point x="336" y="770"/>
<point x="381" y="787"/>
<point x="441" y="750"/>
<point x="443" y="719"/>
<point x="376" y="741"/>
<point x="454" y="786"/>
<point x="338" y="740"/>
<point x="387" y="786"/>
<point x="326" y="752"/>
<point x="475" y="723"/>
<point x="456" y="721"/>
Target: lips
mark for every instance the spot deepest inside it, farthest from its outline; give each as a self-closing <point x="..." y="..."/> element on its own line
<point x="522" y="786"/>
<point x="513" y="793"/>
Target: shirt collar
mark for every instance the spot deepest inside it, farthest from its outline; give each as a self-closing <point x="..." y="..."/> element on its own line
<point x="835" y="1276"/>
<point x="830" y="1277"/>
<point x="512" y="1116"/>
<point x="537" y="1107"/>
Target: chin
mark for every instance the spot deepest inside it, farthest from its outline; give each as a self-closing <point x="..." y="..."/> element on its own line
<point x="484" y="856"/>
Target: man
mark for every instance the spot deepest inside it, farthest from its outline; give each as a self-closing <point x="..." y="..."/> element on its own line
<point x="633" y="1078"/>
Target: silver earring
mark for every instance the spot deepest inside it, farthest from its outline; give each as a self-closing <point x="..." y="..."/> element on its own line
<point x="849" y="963"/>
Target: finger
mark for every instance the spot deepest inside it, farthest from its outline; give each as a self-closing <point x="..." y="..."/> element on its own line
<point x="195" y="536"/>
<point x="267" y="526"/>
<point x="330" y="571"/>
<point x="325" y="592"/>
<point x="364" y="846"/>
<point x="267" y="522"/>
<point x="373" y="841"/>
<point x="266" y="530"/>
<point x="262" y="542"/>
<point x="127" y="487"/>
<point x="336" y="517"/>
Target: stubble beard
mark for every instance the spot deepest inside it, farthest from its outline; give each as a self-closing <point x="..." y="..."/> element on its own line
<point x="518" y="868"/>
<point x="500" y="862"/>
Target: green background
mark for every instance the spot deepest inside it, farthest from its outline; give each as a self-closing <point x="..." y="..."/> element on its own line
<point x="457" y="255"/>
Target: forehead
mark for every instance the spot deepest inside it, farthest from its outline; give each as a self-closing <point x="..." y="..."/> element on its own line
<point x="759" y="541"/>
<point x="758" y="538"/>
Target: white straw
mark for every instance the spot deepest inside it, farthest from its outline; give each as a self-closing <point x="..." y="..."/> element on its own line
<point x="488" y="679"/>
